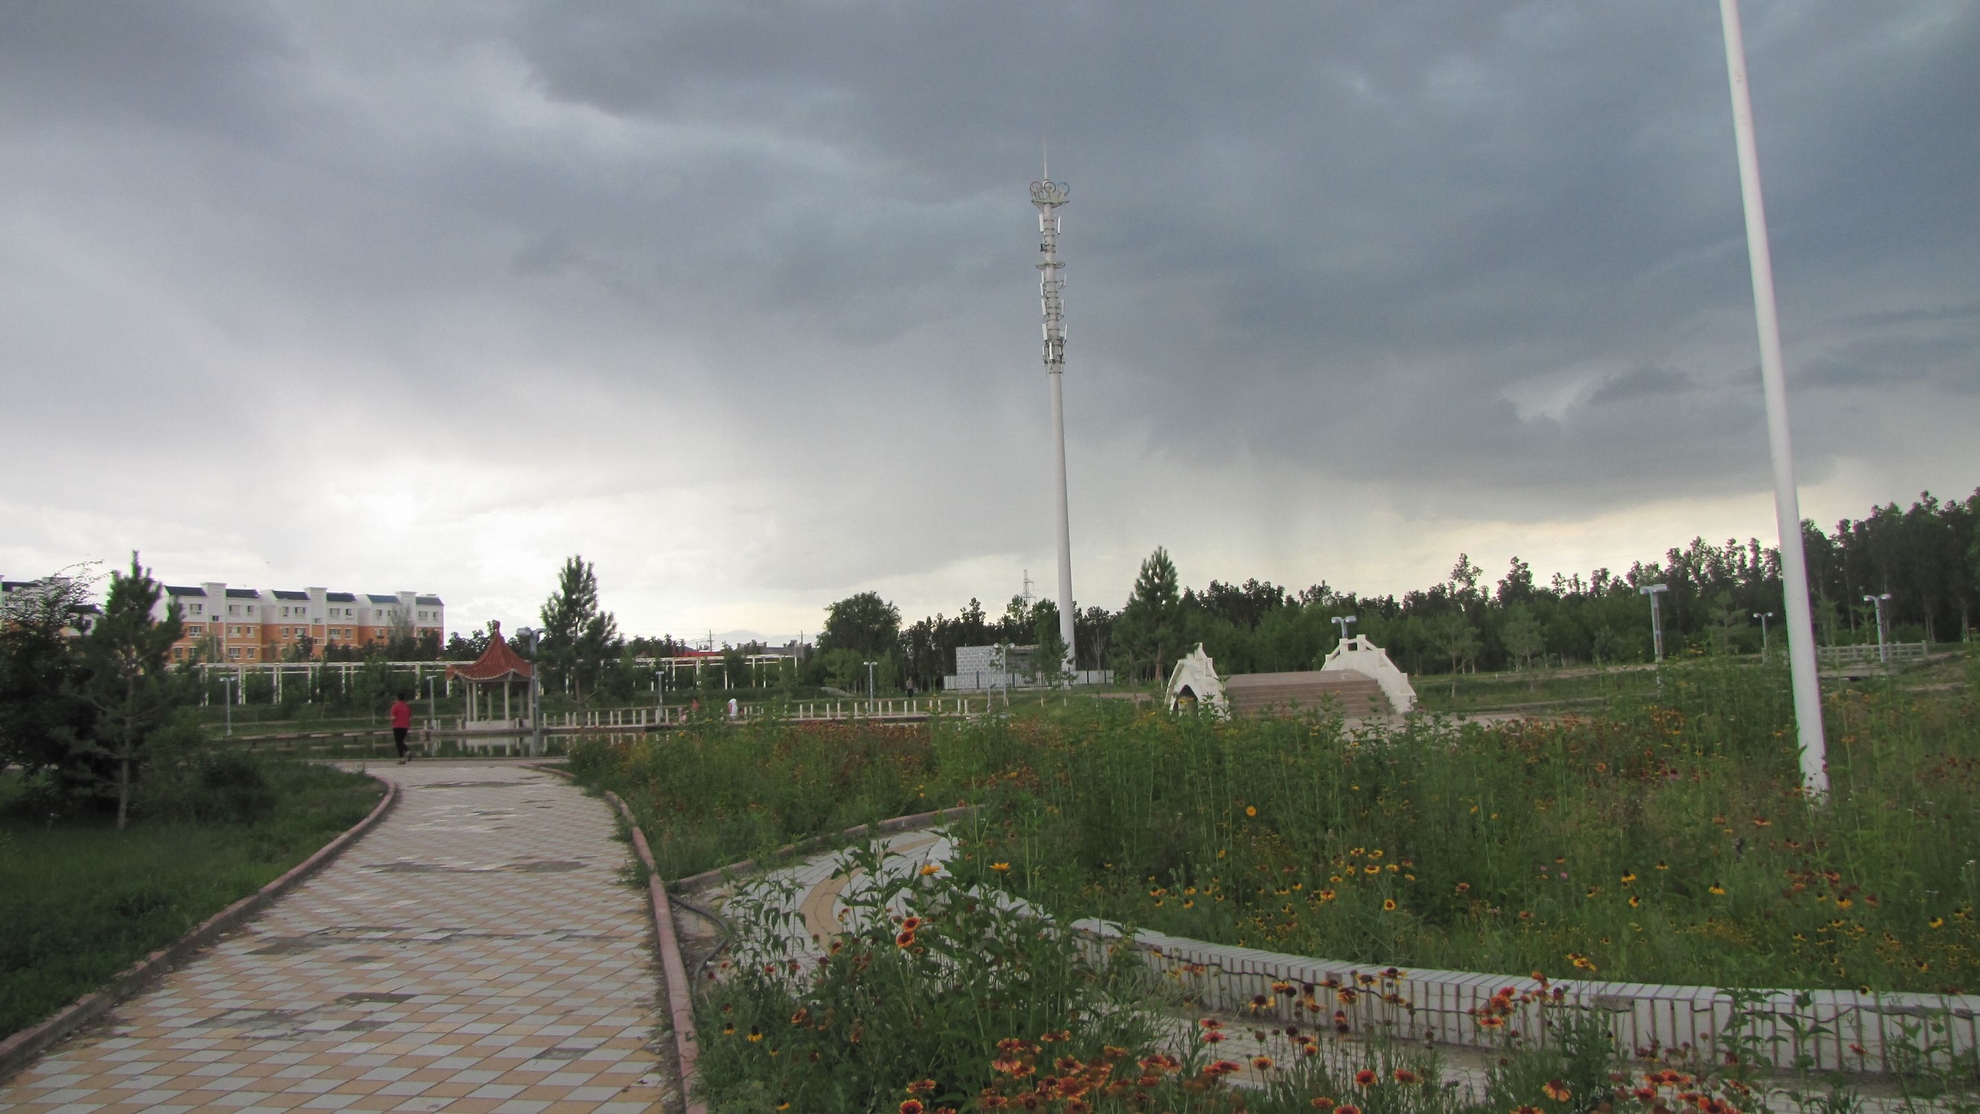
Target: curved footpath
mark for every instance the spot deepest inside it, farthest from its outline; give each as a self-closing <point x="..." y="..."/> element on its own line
<point x="477" y="951"/>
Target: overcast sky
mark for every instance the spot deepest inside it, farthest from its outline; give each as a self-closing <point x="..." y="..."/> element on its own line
<point x="737" y="300"/>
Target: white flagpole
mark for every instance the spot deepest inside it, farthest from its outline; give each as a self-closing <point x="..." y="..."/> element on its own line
<point x="1787" y="507"/>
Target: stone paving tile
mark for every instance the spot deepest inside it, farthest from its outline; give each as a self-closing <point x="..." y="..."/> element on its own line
<point x="474" y="952"/>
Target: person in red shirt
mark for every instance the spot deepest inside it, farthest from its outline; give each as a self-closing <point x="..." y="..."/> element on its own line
<point x="401" y="724"/>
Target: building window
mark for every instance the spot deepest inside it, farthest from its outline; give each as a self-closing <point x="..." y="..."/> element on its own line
<point x="250" y="653"/>
<point x="234" y="653"/>
<point x="192" y="629"/>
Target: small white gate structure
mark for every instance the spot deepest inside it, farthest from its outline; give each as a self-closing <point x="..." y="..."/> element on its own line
<point x="1194" y="683"/>
<point x="1358" y="655"/>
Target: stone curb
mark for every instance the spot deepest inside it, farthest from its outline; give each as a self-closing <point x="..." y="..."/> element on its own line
<point x="19" y="1050"/>
<point x="818" y="843"/>
<point x="680" y="1000"/>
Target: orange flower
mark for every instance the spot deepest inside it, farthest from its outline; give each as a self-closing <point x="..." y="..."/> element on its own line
<point x="1262" y="1063"/>
<point x="1001" y="868"/>
<point x="1321" y="1102"/>
<point x="1404" y="1075"/>
<point x="921" y="1087"/>
<point x="912" y="1106"/>
<point x="1326" y="895"/>
<point x="1557" y="1090"/>
<point x="1223" y="1067"/>
<point x="1365" y="1078"/>
<point x="1347" y="1108"/>
<point x="1389" y="905"/>
<point x="1251" y="810"/>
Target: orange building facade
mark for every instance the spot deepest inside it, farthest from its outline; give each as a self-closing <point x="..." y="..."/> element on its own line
<point x="263" y="625"/>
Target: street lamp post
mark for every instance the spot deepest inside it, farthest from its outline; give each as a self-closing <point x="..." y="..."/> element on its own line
<point x="1763" y="616"/>
<point x="660" y="695"/>
<point x="227" y="686"/>
<point x="869" y="686"/>
<point x="1656" y="617"/>
<point x="1883" y="653"/>
<point x="432" y="704"/>
<point x="1342" y="622"/>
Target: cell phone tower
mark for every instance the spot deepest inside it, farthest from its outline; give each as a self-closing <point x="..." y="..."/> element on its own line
<point x="1048" y="195"/>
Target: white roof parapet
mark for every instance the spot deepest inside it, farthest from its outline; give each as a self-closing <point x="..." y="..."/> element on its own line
<point x="1196" y="675"/>
<point x="1370" y="660"/>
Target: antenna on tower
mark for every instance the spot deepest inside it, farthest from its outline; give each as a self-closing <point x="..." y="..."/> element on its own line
<point x="1048" y="195"/>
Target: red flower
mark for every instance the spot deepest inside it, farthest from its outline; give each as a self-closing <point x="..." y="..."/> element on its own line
<point x="912" y="1106"/>
<point x="1365" y="1078"/>
<point x="1262" y="1063"/>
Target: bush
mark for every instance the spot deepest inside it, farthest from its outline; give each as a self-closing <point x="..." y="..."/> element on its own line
<point x="194" y="783"/>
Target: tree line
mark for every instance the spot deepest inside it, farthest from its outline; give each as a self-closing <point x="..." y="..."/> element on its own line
<point x="1925" y="557"/>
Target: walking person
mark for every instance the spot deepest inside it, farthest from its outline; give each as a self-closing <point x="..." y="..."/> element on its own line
<point x="401" y="725"/>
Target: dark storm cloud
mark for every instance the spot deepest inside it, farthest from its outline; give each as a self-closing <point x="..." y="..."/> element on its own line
<point x="1486" y="255"/>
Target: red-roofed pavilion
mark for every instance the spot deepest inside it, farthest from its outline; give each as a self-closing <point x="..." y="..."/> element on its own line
<point x="498" y="666"/>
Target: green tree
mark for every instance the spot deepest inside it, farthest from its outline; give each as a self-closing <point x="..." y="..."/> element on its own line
<point x="864" y="623"/>
<point x="1149" y="630"/>
<point x="1522" y="635"/>
<point x="38" y="708"/>
<point x="1048" y="661"/>
<point x="578" y="637"/>
<point x="127" y="681"/>
<point x="1453" y="635"/>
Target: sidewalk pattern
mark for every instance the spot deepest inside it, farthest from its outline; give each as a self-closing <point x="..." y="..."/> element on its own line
<point x="477" y="952"/>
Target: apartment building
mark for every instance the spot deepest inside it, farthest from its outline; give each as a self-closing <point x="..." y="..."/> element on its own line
<point x="260" y="625"/>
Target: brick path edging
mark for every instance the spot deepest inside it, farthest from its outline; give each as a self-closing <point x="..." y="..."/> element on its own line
<point x="19" y="1050"/>
<point x="680" y="1000"/>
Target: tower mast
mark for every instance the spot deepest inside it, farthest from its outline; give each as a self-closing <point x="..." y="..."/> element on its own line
<point x="1048" y="195"/>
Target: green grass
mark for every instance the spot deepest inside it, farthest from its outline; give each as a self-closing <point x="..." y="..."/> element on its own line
<point x="80" y="901"/>
<point x="712" y="794"/>
<point x="1640" y="842"/>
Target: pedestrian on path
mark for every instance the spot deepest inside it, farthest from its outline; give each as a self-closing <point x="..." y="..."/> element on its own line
<point x="401" y="724"/>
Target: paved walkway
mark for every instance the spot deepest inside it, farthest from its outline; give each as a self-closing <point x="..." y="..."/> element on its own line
<point x="476" y="952"/>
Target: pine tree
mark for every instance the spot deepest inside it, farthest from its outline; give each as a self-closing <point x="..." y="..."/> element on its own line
<point x="127" y="680"/>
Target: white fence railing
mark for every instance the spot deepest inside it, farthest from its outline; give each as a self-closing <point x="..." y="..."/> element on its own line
<point x="1858" y="655"/>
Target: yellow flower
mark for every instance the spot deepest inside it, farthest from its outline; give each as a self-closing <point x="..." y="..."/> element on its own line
<point x="1389" y="905"/>
<point x="1326" y="895"/>
<point x="1717" y="889"/>
<point x="928" y="869"/>
<point x="1000" y="868"/>
<point x="1937" y="922"/>
<point x="1251" y="810"/>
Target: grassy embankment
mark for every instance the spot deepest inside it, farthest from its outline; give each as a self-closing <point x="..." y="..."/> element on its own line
<point x="80" y="901"/>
